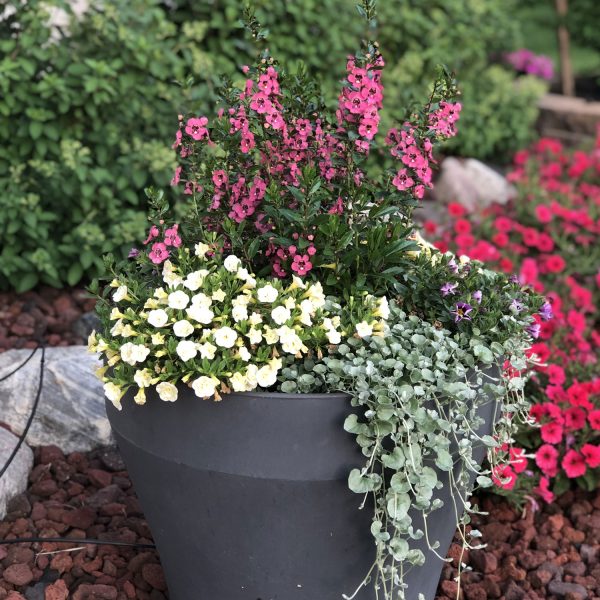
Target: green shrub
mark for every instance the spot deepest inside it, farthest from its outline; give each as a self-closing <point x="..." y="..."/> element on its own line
<point x="84" y="126"/>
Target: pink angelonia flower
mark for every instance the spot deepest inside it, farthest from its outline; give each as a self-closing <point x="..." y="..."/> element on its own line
<point x="159" y="253"/>
<point x="337" y="208"/>
<point x="402" y="180"/>
<point x="153" y="233"/>
<point x="368" y="128"/>
<point x="196" y="128"/>
<point x="176" y="176"/>
<point x="260" y="103"/>
<point x="178" y="138"/>
<point x="172" y="237"/>
<point x="219" y="178"/>
<point x="301" y="264"/>
<point x="247" y="142"/>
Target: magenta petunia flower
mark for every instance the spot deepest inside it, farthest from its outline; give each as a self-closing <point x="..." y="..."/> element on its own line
<point x="448" y="288"/>
<point x="574" y="464"/>
<point x="461" y="312"/>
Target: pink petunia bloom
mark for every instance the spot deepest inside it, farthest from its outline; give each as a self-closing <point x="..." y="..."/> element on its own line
<point x="556" y="374"/>
<point x="552" y="433"/>
<point x="159" y="253"/>
<point x="518" y="461"/>
<point x="546" y="459"/>
<point x="544" y="490"/>
<point x="594" y="419"/>
<point x="196" y="128"/>
<point x="591" y="454"/>
<point x="574" y="464"/>
<point x="575" y="418"/>
<point x="504" y="477"/>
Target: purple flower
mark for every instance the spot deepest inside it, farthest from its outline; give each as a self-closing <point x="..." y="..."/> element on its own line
<point x="453" y="266"/>
<point x="133" y="253"/>
<point x="546" y="311"/>
<point x="514" y="279"/>
<point x="534" y="330"/>
<point x="462" y="311"/>
<point x="448" y="288"/>
<point x="477" y="296"/>
<point x="516" y="306"/>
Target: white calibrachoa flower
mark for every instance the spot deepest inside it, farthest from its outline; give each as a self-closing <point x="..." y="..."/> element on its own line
<point x="244" y="354"/>
<point x="186" y="350"/>
<point x="219" y="296"/>
<point x="363" y="329"/>
<point x="183" y="328"/>
<point x="207" y="350"/>
<point x="333" y="336"/>
<point x="239" y="382"/>
<point x="200" y="249"/>
<point x="114" y="393"/>
<point x="239" y="313"/>
<point x="134" y="353"/>
<point x="178" y="300"/>
<point x="232" y="263"/>
<point x="143" y="378"/>
<point x="267" y="293"/>
<point x="225" y="337"/>
<point x="289" y="339"/>
<point x="167" y="391"/>
<point x="201" y="299"/>
<point x="158" y="317"/>
<point x="205" y="387"/>
<point x="120" y="293"/>
<point x="170" y="277"/>
<point x="280" y="315"/>
<point x="255" y="319"/>
<point x="254" y="335"/>
<point x="195" y="280"/>
<point x="316" y="295"/>
<point x="200" y="313"/>
<point x="266" y="376"/>
<point x="271" y="336"/>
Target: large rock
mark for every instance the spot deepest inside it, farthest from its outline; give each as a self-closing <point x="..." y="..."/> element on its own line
<point x="14" y="481"/>
<point x="71" y="411"/>
<point x="472" y="184"/>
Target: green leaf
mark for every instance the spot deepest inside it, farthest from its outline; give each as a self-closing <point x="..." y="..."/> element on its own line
<point x="75" y="273"/>
<point x="398" y="506"/>
<point x="26" y="283"/>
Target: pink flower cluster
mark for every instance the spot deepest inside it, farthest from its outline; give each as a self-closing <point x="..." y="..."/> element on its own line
<point x="298" y="260"/>
<point x="417" y="154"/>
<point x="160" y="250"/>
<point x="361" y="100"/>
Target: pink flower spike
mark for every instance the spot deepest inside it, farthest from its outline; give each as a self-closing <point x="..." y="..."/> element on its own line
<point x="159" y="253"/>
<point x="172" y="236"/>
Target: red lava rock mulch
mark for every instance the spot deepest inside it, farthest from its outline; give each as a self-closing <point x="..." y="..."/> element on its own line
<point x="46" y="315"/>
<point x="554" y="553"/>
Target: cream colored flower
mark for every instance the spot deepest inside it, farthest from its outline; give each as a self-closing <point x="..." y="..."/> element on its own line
<point x="201" y="299"/>
<point x="267" y="293"/>
<point x="363" y="329"/>
<point x="200" y="313"/>
<point x="316" y="295"/>
<point x="333" y="336"/>
<point x="239" y="382"/>
<point x="178" y="300"/>
<point x="200" y="249"/>
<point x="140" y="397"/>
<point x="115" y="313"/>
<point x="160" y="294"/>
<point x="114" y="393"/>
<point x="157" y="339"/>
<point x="128" y="331"/>
<point x="232" y="263"/>
<point x="194" y="280"/>
<point x="254" y="335"/>
<point x="266" y="376"/>
<point x="383" y="308"/>
<point x="219" y="295"/>
<point x="204" y="387"/>
<point x="297" y="283"/>
<point x="134" y="353"/>
<point x="158" y="317"/>
<point x="289" y="340"/>
<point x="239" y="313"/>
<point x="280" y="315"/>
<point x="151" y="303"/>
<point x="183" y="328"/>
<point x="170" y="277"/>
<point x="271" y="336"/>
<point x="242" y="274"/>
<point x="92" y="342"/>
<point x="225" y="337"/>
<point x="120" y="293"/>
<point x="207" y="350"/>
<point x="186" y="350"/>
<point x="143" y="377"/>
<point x="255" y="318"/>
<point x="167" y="391"/>
<point x="244" y="354"/>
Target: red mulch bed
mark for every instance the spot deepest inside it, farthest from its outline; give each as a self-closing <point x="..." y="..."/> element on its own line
<point x="554" y="553"/>
<point x="45" y="315"/>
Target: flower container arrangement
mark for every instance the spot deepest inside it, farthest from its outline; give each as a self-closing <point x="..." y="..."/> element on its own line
<point x="302" y="389"/>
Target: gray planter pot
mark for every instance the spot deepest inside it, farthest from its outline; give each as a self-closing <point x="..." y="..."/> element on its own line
<point x="247" y="498"/>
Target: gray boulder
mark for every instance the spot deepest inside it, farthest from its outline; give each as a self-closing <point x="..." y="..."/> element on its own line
<point x="14" y="481"/>
<point x="71" y="411"/>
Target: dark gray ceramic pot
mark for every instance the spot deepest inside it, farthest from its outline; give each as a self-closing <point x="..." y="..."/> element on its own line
<point x="247" y="498"/>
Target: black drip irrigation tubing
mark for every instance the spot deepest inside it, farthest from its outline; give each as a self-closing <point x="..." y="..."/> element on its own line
<point x="15" y="451"/>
